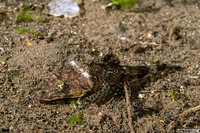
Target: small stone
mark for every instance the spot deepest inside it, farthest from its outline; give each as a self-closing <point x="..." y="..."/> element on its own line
<point x="123" y="38"/>
<point x="103" y="7"/>
<point x="149" y="35"/>
<point x="11" y="129"/>
<point x="140" y="95"/>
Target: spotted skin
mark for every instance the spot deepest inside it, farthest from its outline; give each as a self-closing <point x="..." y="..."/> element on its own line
<point x="102" y="84"/>
<point x="101" y="96"/>
<point x="111" y="78"/>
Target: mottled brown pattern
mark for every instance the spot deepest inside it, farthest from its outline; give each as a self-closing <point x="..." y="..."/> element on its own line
<point x="105" y="80"/>
<point x="76" y="85"/>
<point x="109" y="78"/>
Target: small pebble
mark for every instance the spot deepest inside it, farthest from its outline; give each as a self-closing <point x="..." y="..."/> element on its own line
<point x="2" y="49"/>
<point x="123" y="38"/>
<point x="149" y="36"/>
<point x="140" y="96"/>
<point x="73" y="63"/>
<point x="101" y="54"/>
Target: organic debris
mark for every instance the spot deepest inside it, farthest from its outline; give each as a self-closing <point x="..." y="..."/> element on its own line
<point x="123" y="4"/>
<point x="75" y="119"/>
<point x="129" y="109"/>
<point x="171" y="30"/>
<point x="73" y="103"/>
<point x="67" y="8"/>
<point x="189" y="111"/>
<point x="23" y="31"/>
<point x="27" y="16"/>
<point x="1" y="82"/>
<point x="173" y="96"/>
<point x="13" y="73"/>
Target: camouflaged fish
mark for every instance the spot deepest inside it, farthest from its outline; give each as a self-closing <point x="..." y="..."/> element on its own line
<point x="97" y="83"/>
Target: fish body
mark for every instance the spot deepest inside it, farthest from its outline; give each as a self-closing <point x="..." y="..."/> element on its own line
<point x="97" y="83"/>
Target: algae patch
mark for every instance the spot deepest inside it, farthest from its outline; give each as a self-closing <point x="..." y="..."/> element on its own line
<point x="27" y="16"/>
<point x="23" y="31"/>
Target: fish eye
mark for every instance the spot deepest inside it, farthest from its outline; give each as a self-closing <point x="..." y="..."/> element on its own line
<point x="64" y="86"/>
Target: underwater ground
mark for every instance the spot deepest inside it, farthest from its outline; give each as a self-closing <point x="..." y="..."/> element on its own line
<point x="169" y="28"/>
